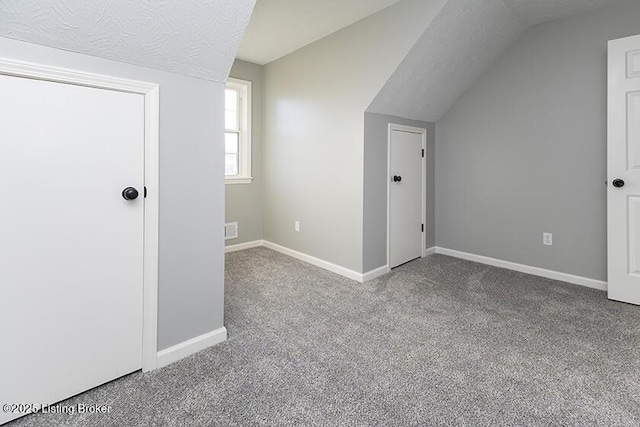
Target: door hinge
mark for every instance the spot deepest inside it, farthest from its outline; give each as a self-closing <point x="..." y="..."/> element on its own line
<point x="422" y="228"/>
<point x="145" y="191"/>
<point x="423" y="152"/>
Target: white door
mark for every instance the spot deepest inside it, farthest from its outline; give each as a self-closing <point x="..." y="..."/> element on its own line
<point x="623" y="170"/>
<point x="406" y="196"/>
<point x="71" y="246"/>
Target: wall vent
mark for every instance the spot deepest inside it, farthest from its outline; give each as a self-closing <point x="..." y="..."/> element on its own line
<point x="231" y="230"/>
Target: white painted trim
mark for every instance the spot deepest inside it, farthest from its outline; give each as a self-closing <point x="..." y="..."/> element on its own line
<point x="353" y="275"/>
<point x="192" y="346"/>
<point x="151" y="93"/>
<point x="151" y="228"/>
<point x="423" y="132"/>
<point x="242" y="246"/>
<point x="11" y="67"/>
<point x="245" y="90"/>
<point x="380" y="271"/>
<point x="375" y="273"/>
<point x="536" y="271"/>
<point x="233" y="181"/>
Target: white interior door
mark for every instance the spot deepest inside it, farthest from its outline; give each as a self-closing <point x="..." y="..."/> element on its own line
<point x="71" y="247"/>
<point x="623" y="193"/>
<point x="406" y="194"/>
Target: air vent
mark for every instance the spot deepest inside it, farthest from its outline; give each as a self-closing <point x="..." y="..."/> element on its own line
<point x="231" y="230"/>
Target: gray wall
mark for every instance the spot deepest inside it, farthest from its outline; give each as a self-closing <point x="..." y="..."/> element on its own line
<point x="376" y="131"/>
<point x="244" y="201"/>
<point x="314" y="100"/>
<point x="191" y="288"/>
<point x="524" y="150"/>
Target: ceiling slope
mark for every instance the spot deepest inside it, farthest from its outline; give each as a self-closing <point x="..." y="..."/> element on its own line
<point x="197" y="38"/>
<point x="279" y="27"/>
<point x="459" y="44"/>
<point x="533" y="12"/>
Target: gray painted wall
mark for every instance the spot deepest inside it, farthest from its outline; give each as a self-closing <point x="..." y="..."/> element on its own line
<point x="191" y="288"/>
<point x="314" y="100"/>
<point x="524" y="150"/>
<point x="244" y="201"/>
<point x="376" y="131"/>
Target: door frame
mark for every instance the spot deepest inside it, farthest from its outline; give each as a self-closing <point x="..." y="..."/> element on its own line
<point x="422" y="131"/>
<point x="151" y="93"/>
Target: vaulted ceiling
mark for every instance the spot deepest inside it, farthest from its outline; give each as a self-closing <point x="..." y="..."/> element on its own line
<point x="198" y="38"/>
<point x="533" y="12"/>
<point x="279" y="27"/>
<point x="459" y="44"/>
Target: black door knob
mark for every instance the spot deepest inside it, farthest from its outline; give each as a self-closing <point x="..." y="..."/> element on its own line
<point x="130" y="193"/>
<point x="618" y="183"/>
<point x="397" y="178"/>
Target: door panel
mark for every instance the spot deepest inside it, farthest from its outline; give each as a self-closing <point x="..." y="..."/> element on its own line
<point x="71" y="251"/>
<point x="623" y="202"/>
<point x="405" y="197"/>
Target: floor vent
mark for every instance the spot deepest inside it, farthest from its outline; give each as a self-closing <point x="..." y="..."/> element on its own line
<point x="231" y="230"/>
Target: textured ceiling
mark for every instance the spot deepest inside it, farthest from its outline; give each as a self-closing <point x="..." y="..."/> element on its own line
<point x="278" y="27"/>
<point x="533" y="12"/>
<point x="198" y="38"/>
<point x="459" y="44"/>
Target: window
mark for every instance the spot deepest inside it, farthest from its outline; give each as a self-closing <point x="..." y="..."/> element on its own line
<point x="237" y="136"/>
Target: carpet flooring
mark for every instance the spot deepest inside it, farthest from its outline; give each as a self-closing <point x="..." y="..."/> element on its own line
<point x="438" y="341"/>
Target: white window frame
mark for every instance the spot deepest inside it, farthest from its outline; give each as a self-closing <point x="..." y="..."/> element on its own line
<point x="244" y="167"/>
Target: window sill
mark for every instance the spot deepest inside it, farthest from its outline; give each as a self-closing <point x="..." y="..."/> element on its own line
<point x="238" y="180"/>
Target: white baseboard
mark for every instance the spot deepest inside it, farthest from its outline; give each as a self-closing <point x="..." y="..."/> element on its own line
<point x="241" y="246"/>
<point x="189" y="347"/>
<point x="353" y="275"/>
<point x="536" y="271"/>
<point x="381" y="271"/>
<point x="377" y="272"/>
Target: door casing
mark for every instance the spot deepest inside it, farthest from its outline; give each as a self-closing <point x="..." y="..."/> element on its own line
<point x="402" y="128"/>
<point x="151" y="92"/>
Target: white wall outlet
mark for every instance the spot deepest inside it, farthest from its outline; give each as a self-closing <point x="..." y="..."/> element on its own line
<point x="296" y="226"/>
<point x="547" y="239"/>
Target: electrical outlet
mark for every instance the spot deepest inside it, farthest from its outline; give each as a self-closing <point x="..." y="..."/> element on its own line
<point x="547" y="239"/>
<point x="296" y="226"/>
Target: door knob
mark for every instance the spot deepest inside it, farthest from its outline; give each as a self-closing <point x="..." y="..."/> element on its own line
<point x="130" y="193"/>
<point x="618" y="183"/>
<point x="397" y="178"/>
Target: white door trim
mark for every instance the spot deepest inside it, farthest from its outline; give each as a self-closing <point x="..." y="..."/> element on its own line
<point x="423" y="132"/>
<point x="151" y="92"/>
